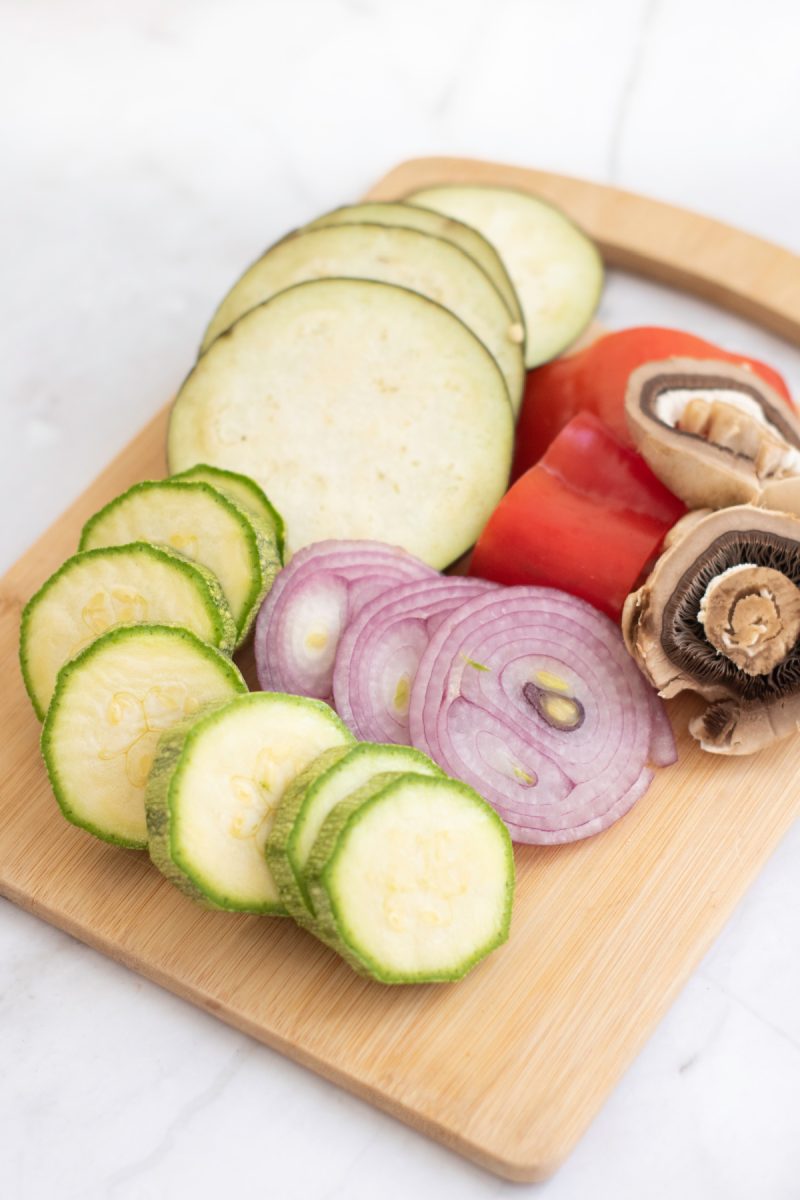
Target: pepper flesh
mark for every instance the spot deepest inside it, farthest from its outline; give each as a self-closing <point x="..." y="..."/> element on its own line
<point x="587" y="519"/>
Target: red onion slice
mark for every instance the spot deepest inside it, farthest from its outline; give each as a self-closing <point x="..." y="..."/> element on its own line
<point x="379" y="651"/>
<point x="530" y="696"/>
<point x="301" y="620"/>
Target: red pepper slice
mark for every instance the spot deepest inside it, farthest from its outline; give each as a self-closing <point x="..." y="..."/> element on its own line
<point x="588" y="518"/>
<point x="594" y="380"/>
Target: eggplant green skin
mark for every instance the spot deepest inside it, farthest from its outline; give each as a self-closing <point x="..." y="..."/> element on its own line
<point x="163" y="792"/>
<point x="289" y="881"/>
<point x="263" y="552"/>
<point x="331" y="846"/>
<point x="245" y="492"/>
<point x="208" y="587"/>
<point x="49" y="729"/>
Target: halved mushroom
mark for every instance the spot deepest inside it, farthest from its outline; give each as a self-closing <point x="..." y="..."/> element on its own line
<point x="720" y="615"/>
<point x="715" y="434"/>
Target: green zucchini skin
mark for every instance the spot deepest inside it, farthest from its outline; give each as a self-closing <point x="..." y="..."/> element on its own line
<point x="158" y="808"/>
<point x="262" y="551"/>
<point x="245" y="492"/>
<point x="324" y="921"/>
<point x="289" y="881"/>
<point x="229" y="673"/>
<point x="293" y="825"/>
<point x="168" y="780"/>
<point x="331" y="846"/>
<point x="206" y="583"/>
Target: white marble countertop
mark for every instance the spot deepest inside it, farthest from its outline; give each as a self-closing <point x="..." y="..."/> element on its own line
<point x="150" y="150"/>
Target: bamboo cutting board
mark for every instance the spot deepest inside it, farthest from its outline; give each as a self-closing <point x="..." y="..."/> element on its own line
<point x="509" y="1066"/>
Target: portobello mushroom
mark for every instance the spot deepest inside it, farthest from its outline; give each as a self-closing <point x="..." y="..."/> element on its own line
<point x="720" y="615"/>
<point x="715" y="434"/>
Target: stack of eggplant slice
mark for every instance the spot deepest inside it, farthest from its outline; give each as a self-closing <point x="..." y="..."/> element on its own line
<point x="368" y="369"/>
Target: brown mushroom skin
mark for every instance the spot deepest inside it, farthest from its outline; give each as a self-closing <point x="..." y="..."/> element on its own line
<point x="700" y="472"/>
<point x="745" y="712"/>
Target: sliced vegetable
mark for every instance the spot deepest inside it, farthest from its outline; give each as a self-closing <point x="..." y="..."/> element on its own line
<point x="714" y="433"/>
<point x="529" y="696"/>
<point x="202" y="524"/>
<point x="301" y="813"/>
<point x="425" y="264"/>
<point x="301" y="621"/>
<point x="720" y="616"/>
<point x="589" y="519"/>
<point x="121" y="585"/>
<point x="364" y="410"/>
<point x="412" y="878"/>
<point x="380" y="649"/>
<point x="245" y="492"/>
<point x="111" y="704"/>
<point x="409" y="216"/>
<point x="214" y="789"/>
<point x="556" y="270"/>
<point x="594" y="380"/>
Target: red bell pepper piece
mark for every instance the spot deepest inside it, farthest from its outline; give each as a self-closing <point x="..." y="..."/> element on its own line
<point x="588" y="518"/>
<point x="594" y="380"/>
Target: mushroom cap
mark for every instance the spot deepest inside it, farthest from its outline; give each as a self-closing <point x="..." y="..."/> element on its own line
<point x="702" y="472"/>
<point x="663" y="633"/>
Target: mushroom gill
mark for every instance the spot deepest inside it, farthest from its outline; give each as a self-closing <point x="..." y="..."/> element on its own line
<point x="720" y="615"/>
<point x="714" y="433"/>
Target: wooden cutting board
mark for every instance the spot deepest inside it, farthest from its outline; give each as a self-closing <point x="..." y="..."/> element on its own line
<point x="509" y="1066"/>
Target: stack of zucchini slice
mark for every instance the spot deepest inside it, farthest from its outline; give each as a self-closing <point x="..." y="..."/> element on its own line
<point x="134" y="633"/>
<point x="267" y="805"/>
<point x="256" y="803"/>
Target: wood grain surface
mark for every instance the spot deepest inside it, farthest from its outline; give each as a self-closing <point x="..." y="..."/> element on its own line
<point x="509" y="1066"/>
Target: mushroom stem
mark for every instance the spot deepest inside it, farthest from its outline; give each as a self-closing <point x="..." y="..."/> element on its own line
<point x="751" y="615"/>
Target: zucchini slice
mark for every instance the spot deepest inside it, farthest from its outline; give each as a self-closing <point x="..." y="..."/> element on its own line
<point x="305" y="805"/>
<point x="425" y="264"/>
<point x="202" y="524"/>
<point x="245" y="492"/>
<point x="556" y="269"/>
<point x="111" y="704"/>
<point x="409" y="216"/>
<point x="119" y="585"/>
<point x="214" y="788"/>
<point x="364" y="410"/>
<point x="412" y="879"/>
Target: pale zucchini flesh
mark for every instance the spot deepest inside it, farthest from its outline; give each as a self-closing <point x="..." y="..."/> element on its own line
<point x="413" y="879"/>
<point x="305" y="807"/>
<point x="111" y="704"/>
<point x="406" y="257"/>
<point x="409" y="216"/>
<point x="556" y="269"/>
<point x="245" y="492"/>
<point x="96" y="590"/>
<point x="199" y="522"/>
<point x="363" y="410"/>
<point x="214" y="789"/>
